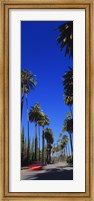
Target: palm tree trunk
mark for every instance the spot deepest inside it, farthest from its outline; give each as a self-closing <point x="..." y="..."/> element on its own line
<point x="22" y="100"/>
<point x="47" y="152"/>
<point x="35" y="141"/>
<point x="39" y="142"/>
<point x="27" y="130"/>
<point x="66" y="149"/>
<point x="49" y="155"/>
<point x="69" y="149"/>
<point x="43" y="144"/>
<point x="71" y="143"/>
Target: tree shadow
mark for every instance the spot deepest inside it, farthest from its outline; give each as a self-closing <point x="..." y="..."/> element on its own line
<point x="53" y="174"/>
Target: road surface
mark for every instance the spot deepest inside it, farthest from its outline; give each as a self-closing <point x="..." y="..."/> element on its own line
<point x="58" y="171"/>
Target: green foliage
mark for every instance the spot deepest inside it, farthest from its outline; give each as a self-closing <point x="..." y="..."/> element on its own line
<point x="22" y="140"/>
<point x="37" y="150"/>
<point x="23" y="149"/>
<point x="68" y="125"/>
<point x="49" y="135"/>
<point x="49" y="138"/>
<point x="27" y="81"/>
<point x="32" y="150"/>
<point x="34" y="113"/>
<point x="65" y="38"/>
<point x="43" y="119"/>
<point x="40" y="155"/>
<point x="29" y="152"/>
<point x="70" y="160"/>
<point x="60" y="135"/>
<point x="68" y="86"/>
<point x="64" y="141"/>
<point x="68" y="114"/>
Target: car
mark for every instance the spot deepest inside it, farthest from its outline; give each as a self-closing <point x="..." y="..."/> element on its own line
<point x="36" y="166"/>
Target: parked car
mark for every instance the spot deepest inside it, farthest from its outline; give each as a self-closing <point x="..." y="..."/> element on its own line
<point x="36" y="166"/>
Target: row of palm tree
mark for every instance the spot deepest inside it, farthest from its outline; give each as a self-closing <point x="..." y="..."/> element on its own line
<point x="65" y="40"/>
<point x="61" y="145"/>
<point x="40" y="119"/>
<point x="48" y="133"/>
<point x="28" y="82"/>
<point x="35" y="114"/>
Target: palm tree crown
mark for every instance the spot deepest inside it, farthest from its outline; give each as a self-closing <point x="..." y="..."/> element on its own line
<point x="34" y="113"/>
<point x="68" y="125"/>
<point x="65" y="39"/>
<point x="49" y="135"/>
<point x="68" y="86"/>
<point x="64" y="141"/>
<point x="27" y="81"/>
<point x="43" y="120"/>
<point x="49" y="138"/>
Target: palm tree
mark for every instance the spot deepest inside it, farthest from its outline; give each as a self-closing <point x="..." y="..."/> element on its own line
<point x="34" y="115"/>
<point x="43" y="122"/>
<point x="68" y="126"/>
<point x="40" y="124"/>
<point x="39" y="138"/>
<point x="28" y="82"/>
<point x="64" y="142"/>
<point x="49" y="138"/>
<point x="65" y="38"/>
<point x="68" y="88"/>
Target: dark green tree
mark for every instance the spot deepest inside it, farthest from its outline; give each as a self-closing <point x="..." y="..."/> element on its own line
<point x="34" y="115"/>
<point x="68" y="88"/>
<point x="65" y="38"/>
<point x="43" y="122"/>
<point x="37" y="149"/>
<point x="28" y="82"/>
<point x="68" y="127"/>
<point x="49" y="138"/>
<point x="23" y="149"/>
<point x="64" y="142"/>
<point x="32" y="150"/>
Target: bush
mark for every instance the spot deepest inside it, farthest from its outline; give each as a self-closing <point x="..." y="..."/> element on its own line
<point x="70" y="159"/>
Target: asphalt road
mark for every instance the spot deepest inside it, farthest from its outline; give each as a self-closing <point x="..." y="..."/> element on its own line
<point x="58" y="171"/>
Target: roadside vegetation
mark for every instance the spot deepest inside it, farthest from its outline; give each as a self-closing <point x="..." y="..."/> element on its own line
<point x="50" y="152"/>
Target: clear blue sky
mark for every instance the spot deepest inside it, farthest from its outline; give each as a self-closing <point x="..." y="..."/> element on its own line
<point x="41" y="54"/>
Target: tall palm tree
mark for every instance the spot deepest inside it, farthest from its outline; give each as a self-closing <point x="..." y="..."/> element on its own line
<point x="68" y="126"/>
<point x="40" y="122"/>
<point x="49" y="138"/>
<point x="28" y="82"/>
<point x="39" y="138"/>
<point x="68" y="88"/>
<point x="65" y="38"/>
<point x="64" y="142"/>
<point x="34" y="115"/>
<point x="43" y="122"/>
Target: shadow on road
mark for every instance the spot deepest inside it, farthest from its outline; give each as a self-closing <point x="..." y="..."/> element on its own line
<point x="53" y="174"/>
